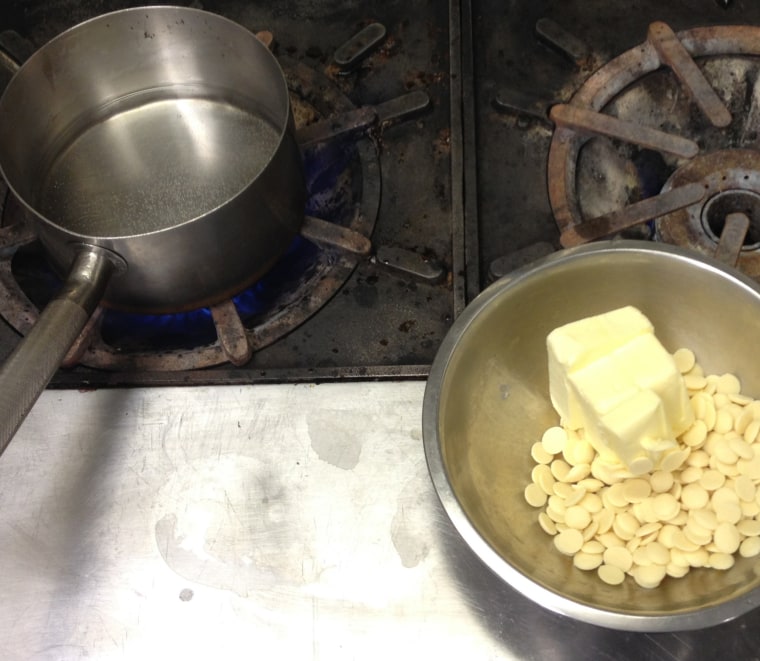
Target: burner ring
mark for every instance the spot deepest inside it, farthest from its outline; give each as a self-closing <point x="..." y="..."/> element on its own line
<point x="590" y="117"/>
<point x="734" y="200"/>
<point x="732" y="181"/>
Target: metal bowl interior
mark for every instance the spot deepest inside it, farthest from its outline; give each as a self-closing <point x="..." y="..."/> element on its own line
<point x="487" y="401"/>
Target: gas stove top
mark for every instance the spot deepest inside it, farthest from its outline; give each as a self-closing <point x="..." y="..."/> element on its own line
<point x="444" y="147"/>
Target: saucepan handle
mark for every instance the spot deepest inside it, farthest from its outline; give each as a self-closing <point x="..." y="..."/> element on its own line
<point x="28" y="370"/>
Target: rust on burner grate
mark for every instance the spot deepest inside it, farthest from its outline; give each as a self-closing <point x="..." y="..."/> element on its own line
<point x="673" y="54"/>
<point x="639" y="102"/>
<point x="597" y="123"/>
<point x="231" y="333"/>
<point x="732" y="238"/>
<point x="633" y="214"/>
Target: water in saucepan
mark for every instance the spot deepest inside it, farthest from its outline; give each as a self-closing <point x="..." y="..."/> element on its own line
<point x="154" y="166"/>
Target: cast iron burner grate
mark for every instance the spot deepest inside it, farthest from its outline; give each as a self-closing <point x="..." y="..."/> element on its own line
<point x="340" y="146"/>
<point x="665" y="132"/>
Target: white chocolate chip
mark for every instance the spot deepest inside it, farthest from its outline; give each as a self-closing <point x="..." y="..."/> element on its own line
<point x="742" y="449"/>
<point x="665" y="506"/>
<point x="545" y="521"/>
<point x="577" y="517"/>
<point x="576" y="495"/>
<point x="695" y="435"/>
<point x="535" y="496"/>
<point x="722" y="450"/>
<point x="685" y="359"/>
<point x="661" y="481"/>
<point x="694" y="381"/>
<point x="539" y="454"/>
<point x="694" y="496"/>
<point x="727" y="538"/>
<point x="542" y="476"/>
<point x="637" y="489"/>
<point x="610" y="574"/>
<point x="649" y="576"/>
<point x="563" y="490"/>
<point x="673" y="460"/>
<point x="750" y="547"/>
<point x="729" y="383"/>
<point x="752" y="431"/>
<point x="587" y="561"/>
<point x="745" y="488"/>
<point x="559" y="468"/>
<point x="593" y="546"/>
<point x="553" y="440"/>
<point x="569" y="541"/>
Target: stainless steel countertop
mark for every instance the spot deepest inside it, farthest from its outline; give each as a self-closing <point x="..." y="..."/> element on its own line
<point x="269" y="521"/>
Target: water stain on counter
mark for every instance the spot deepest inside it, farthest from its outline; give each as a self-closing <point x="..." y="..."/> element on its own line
<point x="231" y="523"/>
<point x="336" y="440"/>
<point x="411" y="521"/>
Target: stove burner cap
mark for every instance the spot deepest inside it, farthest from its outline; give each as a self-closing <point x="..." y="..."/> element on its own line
<point x="732" y="181"/>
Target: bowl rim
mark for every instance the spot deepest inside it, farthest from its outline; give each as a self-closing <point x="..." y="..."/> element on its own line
<point x="682" y="621"/>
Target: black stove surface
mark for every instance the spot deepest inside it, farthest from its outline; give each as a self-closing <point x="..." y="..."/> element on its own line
<point x="463" y="189"/>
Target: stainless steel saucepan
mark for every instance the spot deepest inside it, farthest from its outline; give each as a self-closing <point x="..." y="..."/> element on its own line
<point x="154" y="149"/>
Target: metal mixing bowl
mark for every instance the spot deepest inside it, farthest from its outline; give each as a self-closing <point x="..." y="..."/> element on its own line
<point x="487" y="401"/>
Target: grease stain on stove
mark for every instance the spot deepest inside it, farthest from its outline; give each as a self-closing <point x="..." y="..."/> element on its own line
<point x="407" y="325"/>
<point x="334" y="438"/>
<point x="365" y="295"/>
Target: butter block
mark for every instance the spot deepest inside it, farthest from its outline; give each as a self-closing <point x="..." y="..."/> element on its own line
<point x="652" y="367"/>
<point x="579" y="343"/>
<point x="637" y="431"/>
<point x="611" y="377"/>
